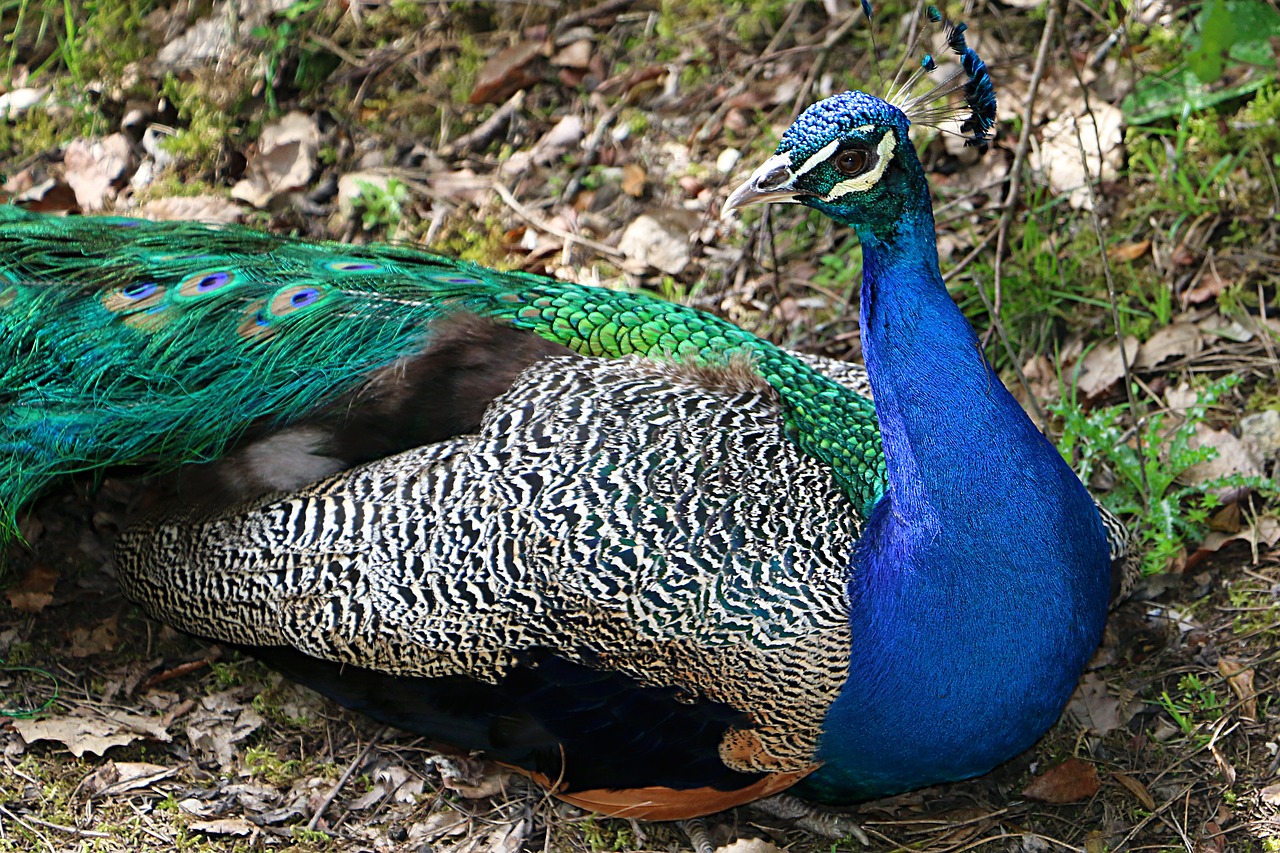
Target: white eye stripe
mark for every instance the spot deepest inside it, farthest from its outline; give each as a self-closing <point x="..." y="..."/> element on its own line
<point x="867" y="180"/>
<point x="819" y="157"/>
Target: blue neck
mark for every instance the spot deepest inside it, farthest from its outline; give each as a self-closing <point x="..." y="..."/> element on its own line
<point x="980" y="586"/>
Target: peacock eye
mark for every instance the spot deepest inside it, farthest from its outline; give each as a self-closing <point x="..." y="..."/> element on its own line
<point x="852" y="161"/>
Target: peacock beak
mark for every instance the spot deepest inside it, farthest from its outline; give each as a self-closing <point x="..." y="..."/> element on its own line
<point x="772" y="182"/>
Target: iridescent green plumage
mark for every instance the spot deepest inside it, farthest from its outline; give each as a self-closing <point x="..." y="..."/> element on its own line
<point x="134" y="342"/>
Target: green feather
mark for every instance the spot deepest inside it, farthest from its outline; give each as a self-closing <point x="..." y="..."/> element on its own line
<point x="127" y="341"/>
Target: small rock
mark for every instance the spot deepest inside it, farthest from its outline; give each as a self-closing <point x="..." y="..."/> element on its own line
<point x="659" y="240"/>
<point x="728" y="158"/>
<point x="1262" y="432"/>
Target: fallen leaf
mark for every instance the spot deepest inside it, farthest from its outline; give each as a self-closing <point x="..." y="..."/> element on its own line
<point x="224" y="826"/>
<point x="284" y="162"/>
<point x="1212" y="839"/>
<point x="1070" y="782"/>
<point x="18" y="101"/>
<point x="1129" y="251"/>
<point x="91" y="641"/>
<point x="1224" y="767"/>
<point x="1271" y="794"/>
<point x="220" y="721"/>
<point x="34" y="592"/>
<point x="507" y="71"/>
<point x="95" y="169"/>
<point x="1173" y="341"/>
<point x="1234" y="457"/>
<point x="1240" y="679"/>
<point x="1103" y="367"/>
<point x="1206" y="287"/>
<point x="1262" y="432"/>
<point x="633" y="179"/>
<point x="1069" y="170"/>
<point x="1094" y="705"/>
<point x="118" y="777"/>
<point x="472" y="778"/>
<point x="92" y="732"/>
<point x="1136" y="788"/>
<point x="574" y="55"/>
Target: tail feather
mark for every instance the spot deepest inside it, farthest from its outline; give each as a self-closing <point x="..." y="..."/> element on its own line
<point x="125" y="341"/>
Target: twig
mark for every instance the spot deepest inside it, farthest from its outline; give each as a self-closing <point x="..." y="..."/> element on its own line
<point x="178" y="671"/>
<point x="1020" y="153"/>
<point x="820" y="61"/>
<point x="608" y="7"/>
<point x="346" y="775"/>
<point x="1013" y="358"/>
<point x="488" y="128"/>
<point x="1096" y="220"/>
<point x="537" y="222"/>
<point x="747" y="77"/>
<point x="591" y="151"/>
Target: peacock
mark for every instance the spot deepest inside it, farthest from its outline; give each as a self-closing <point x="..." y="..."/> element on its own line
<point x="656" y="564"/>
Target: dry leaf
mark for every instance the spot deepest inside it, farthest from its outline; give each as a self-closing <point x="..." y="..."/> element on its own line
<point x="17" y="102"/>
<point x="1271" y="794"/>
<point x="220" y="721"/>
<point x="1240" y="679"/>
<point x="1129" y="251"/>
<point x="284" y="162"/>
<point x="1070" y="782"/>
<point x="1262" y="432"/>
<point x="92" y="732"/>
<point x="1136" y="788"/>
<point x="95" y="170"/>
<point x="472" y="778"/>
<point x="1097" y="709"/>
<point x="225" y="826"/>
<point x="574" y="55"/>
<point x="506" y="72"/>
<point x="1234" y="457"/>
<point x="1224" y="767"/>
<point x="1206" y="288"/>
<point x="1103" y="367"/>
<point x="118" y="777"/>
<point x="35" y="591"/>
<point x="1173" y="341"/>
<point x="1060" y="158"/>
<point x="91" y="641"/>
<point x="633" y="179"/>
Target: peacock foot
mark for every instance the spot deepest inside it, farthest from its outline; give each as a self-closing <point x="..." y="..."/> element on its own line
<point x="811" y="818"/>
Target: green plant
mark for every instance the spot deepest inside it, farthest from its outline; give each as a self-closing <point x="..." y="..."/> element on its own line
<point x="380" y="206"/>
<point x="1146" y="464"/>
<point x="1196" y="703"/>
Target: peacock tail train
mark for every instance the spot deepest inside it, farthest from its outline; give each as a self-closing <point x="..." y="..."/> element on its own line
<point x="133" y="342"/>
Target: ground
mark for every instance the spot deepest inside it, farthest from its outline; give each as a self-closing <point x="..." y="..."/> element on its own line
<point x="597" y="143"/>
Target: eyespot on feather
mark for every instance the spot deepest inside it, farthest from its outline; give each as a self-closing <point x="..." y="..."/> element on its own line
<point x="132" y="298"/>
<point x="294" y="298"/>
<point x="352" y="266"/>
<point x="446" y="278"/>
<point x="256" y="325"/>
<point x="204" y="283"/>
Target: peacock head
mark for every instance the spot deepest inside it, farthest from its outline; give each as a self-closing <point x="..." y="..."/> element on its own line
<point x="851" y="155"/>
